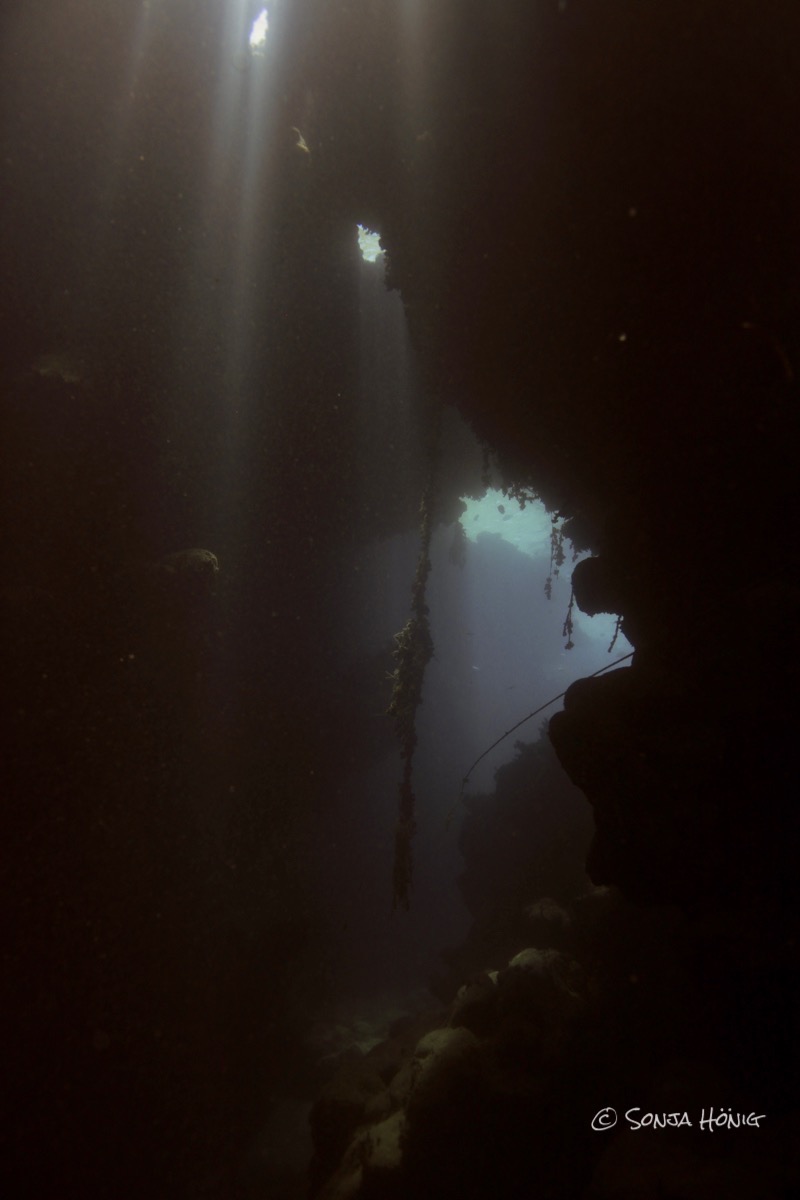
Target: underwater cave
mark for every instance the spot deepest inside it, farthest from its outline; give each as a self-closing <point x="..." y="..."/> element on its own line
<point x="398" y="594"/>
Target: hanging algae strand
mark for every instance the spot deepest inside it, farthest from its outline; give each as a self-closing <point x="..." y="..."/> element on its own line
<point x="412" y="653"/>
<point x="556" y="555"/>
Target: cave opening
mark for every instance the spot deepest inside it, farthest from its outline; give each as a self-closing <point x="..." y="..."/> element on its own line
<point x="369" y="243"/>
<point x="259" y="31"/>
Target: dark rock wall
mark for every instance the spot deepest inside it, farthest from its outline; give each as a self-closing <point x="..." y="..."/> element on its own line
<point x="167" y="747"/>
<point x="589" y="210"/>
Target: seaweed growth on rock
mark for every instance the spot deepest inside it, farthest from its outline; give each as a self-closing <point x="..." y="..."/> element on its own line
<point x="556" y="555"/>
<point x="412" y="653"/>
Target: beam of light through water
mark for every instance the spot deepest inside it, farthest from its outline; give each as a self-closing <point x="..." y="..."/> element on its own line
<point x="220" y="329"/>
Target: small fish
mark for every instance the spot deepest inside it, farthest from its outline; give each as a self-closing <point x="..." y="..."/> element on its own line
<point x="501" y="508"/>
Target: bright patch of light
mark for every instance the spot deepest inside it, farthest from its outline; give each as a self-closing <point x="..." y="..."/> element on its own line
<point x="258" y="34"/>
<point x="369" y="243"/>
<point x="526" y="528"/>
<point x="529" y="529"/>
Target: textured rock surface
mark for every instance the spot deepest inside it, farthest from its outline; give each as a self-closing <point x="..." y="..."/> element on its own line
<point x="623" y="1018"/>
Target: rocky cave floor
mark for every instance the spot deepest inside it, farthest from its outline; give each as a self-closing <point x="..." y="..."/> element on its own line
<point x="501" y="1078"/>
